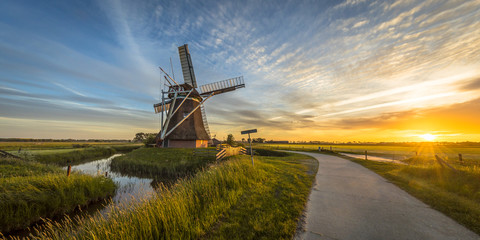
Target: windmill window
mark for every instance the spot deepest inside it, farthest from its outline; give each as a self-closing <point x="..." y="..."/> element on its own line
<point x="185" y="114"/>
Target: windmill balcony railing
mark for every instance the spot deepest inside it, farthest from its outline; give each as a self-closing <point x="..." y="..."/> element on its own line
<point x="223" y="86"/>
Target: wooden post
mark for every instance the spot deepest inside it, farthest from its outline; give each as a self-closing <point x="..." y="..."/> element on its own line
<point x="460" y="157"/>
<point x="366" y="158"/>
<point x="251" y="151"/>
<point x="69" y="169"/>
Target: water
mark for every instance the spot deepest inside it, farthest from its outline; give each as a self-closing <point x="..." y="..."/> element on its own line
<point x="372" y="158"/>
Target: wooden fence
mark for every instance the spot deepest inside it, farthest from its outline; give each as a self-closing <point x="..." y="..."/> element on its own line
<point x="230" y="151"/>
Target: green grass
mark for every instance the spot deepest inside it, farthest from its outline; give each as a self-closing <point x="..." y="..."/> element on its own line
<point x="11" y="167"/>
<point x="161" y="162"/>
<point x="455" y="193"/>
<point x="30" y="191"/>
<point x="228" y="200"/>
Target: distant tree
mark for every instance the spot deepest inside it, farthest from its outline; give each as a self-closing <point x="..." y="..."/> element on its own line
<point x="139" y="137"/>
<point x="150" y="138"/>
<point x="258" y="140"/>
<point x="231" y="140"/>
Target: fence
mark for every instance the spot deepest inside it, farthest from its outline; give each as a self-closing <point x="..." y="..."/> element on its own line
<point x="230" y="151"/>
<point x="219" y="153"/>
<point x="406" y="154"/>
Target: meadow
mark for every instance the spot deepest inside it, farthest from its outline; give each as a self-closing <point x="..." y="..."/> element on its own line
<point x="231" y="199"/>
<point x="31" y="191"/>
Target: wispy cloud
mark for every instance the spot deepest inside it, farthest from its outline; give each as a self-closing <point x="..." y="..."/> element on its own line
<point x="305" y="63"/>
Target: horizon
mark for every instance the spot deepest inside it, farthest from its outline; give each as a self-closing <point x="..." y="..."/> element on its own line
<point x="364" y="71"/>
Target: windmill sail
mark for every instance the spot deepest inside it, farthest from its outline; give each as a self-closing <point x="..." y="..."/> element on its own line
<point x="187" y="67"/>
<point x="222" y="86"/>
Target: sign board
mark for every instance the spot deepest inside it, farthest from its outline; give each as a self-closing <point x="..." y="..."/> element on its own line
<point x="249" y="131"/>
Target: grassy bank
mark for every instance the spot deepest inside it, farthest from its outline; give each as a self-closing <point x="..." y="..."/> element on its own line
<point x="64" y="158"/>
<point x="160" y="162"/>
<point x="455" y="193"/>
<point x="231" y="199"/>
<point x="30" y="191"/>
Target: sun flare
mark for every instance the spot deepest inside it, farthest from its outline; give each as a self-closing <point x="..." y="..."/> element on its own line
<point x="428" y="137"/>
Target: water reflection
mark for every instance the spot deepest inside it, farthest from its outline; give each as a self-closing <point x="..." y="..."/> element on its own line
<point x="129" y="187"/>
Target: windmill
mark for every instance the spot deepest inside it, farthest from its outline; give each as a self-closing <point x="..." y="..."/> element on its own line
<point x="183" y="120"/>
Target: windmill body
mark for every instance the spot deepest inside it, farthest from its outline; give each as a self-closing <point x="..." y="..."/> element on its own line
<point x="183" y="120"/>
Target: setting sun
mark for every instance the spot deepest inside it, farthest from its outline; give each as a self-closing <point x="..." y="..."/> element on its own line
<point x="428" y="137"/>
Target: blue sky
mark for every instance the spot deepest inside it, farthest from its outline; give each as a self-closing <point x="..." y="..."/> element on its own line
<point x="351" y="70"/>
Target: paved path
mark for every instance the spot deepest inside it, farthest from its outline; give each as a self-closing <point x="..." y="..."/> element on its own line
<point x="349" y="201"/>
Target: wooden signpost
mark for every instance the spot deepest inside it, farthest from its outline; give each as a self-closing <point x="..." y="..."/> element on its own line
<point x="250" y="140"/>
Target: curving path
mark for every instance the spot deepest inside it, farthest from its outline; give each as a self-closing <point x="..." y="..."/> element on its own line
<point x="349" y="201"/>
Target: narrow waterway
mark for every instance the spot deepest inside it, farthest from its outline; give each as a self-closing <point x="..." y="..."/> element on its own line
<point x="129" y="189"/>
<point x="373" y="158"/>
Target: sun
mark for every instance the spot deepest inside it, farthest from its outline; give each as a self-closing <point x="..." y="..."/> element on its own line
<point x="428" y="137"/>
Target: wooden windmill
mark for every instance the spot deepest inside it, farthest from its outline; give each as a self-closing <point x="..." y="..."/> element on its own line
<point x="183" y="120"/>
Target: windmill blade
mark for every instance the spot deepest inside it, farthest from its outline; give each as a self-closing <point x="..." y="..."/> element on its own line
<point x="159" y="107"/>
<point x="187" y="67"/>
<point x="222" y="86"/>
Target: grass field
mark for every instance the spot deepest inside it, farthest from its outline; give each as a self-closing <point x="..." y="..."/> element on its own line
<point x="30" y="191"/>
<point x="456" y="193"/>
<point x="230" y="200"/>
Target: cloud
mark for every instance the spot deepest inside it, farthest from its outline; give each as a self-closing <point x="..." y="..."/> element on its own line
<point x="474" y="84"/>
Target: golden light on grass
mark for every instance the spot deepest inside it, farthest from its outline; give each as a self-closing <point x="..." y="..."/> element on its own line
<point x="429" y="137"/>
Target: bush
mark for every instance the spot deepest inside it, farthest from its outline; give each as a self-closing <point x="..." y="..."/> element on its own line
<point x="271" y="153"/>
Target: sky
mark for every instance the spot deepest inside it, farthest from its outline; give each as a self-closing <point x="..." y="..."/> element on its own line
<point x="352" y="70"/>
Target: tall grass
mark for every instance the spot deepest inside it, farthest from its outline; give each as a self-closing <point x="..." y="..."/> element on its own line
<point x="266" y="200"/>
<point x="30" y="191"/>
